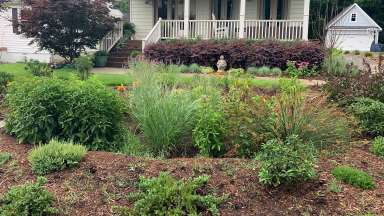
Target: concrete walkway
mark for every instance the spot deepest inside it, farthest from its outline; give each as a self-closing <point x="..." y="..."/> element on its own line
<point x="108" y="70"/>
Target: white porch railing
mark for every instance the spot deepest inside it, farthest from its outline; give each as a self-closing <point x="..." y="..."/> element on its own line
<point x="154" y="36"/>
<point x="110" y="40"/>
<point x="288" y="30"/>
<point x="274" y="29"/>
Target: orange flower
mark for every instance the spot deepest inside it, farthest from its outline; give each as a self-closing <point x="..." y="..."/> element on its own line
<point x="121" y="88"/>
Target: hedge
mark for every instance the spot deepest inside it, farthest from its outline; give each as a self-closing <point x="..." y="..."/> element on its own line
<point x="238" y="53"/>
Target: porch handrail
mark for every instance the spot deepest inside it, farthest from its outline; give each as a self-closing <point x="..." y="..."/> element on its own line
<point x="154" y="35"/>
<point x="288" y="30"/>
<point x="111" y="39"/>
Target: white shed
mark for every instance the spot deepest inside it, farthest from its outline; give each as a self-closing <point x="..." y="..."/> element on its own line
<point x="352" y="29"/>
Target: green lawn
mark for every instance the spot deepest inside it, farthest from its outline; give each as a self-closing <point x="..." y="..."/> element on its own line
<point x="18" y="70"/>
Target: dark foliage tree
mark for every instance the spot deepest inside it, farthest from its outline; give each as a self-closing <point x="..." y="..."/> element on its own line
<point x="66" y="27"/>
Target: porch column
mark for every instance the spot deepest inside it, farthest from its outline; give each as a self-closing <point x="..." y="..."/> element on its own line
<point x="306" y="19"/>
<point x="242" y="18"/>
<point x="187" y="6"/>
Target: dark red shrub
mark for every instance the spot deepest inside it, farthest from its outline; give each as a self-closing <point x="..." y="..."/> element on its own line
<point x="238" y="53"/>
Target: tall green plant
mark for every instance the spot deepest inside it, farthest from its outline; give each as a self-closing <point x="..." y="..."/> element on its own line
<point x="209" y="130"/>
<point x="164" y="113"/>
<point x="83" y="66"/>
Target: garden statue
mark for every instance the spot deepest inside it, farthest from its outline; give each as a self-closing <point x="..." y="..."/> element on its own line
<point x="221" y="65"/>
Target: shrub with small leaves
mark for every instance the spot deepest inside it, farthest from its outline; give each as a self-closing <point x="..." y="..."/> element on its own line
<point x="30" y="199"/>
<point x="194" y="68"/>
<point x="55" y="156"/>
<point x="165" y="195"/>
<point x="354" y="177"/>
<point x="184" y="69"/>
<point x="5" y="79"/>
<point x="264" y="71"/>
<point x="83" y="111"/>
<point x="83" y="65"/>
<point x="4" y="157"/>
<point x="370" y="113"/>
<point x="378" y="146"/>
<point x="39" y="69"/>
<point x="252" y="70"/>
<point x="286" y="162"/>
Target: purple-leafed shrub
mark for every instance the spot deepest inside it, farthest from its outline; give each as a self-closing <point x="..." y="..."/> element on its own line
<point x="238" y="53"/>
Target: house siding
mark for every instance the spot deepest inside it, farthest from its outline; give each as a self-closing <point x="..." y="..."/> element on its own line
<point x="143" y="17"/>
<point x="296" y="10"/>
<point x="18" y="48"/>
<point x="361" y="19"/>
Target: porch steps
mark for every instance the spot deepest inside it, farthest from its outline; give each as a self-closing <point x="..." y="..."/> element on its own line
<point x="118" y="57"/>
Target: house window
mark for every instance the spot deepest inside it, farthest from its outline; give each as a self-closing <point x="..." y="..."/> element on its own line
<point x="353" y="17"/>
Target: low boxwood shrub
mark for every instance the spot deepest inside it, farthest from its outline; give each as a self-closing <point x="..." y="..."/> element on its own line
<point x="286" y="162"/>
<point x="194" y="68"/>
<point x="370" y="114"/>
<point x="86" y="112"/>
<point x="238" y="53"/>
<point x="378" y="146"/>
<point x="4" y="157"/>
<point x="28" y="199"/>
<point x="354" y="177"/>
<point x="55" y="156"/>
<point x="164" y="195"/>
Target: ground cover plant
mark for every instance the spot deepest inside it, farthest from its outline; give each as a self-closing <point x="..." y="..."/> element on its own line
<point x="4" y="157"/>
<point x="165" y="195"/>
<point x="378" y="146"/>
<point x="85" y="112"/>
<point x="55" y="156"/>
<point x="354" y="177"/>
<point x="238" y="53"/>
<point x="28" y="199"/>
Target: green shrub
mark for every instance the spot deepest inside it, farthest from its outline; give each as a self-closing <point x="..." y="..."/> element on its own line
<point x="207" y="70"/>
<point x="336" y="66"/>
<point x="30" y="199"/>
<point x="164" y="114"/>
<point x="4" y="157"/>
<point x="314" y="121"/>
<point x="164" y="195"/>
<point x="184" y="69"/>
<point x="83" y="65"/>
<point x="209" y="130"/>
<point x="368" y="54"/>
<point x="264" y="71"/>
<point x="356" y="52"/>
<point x="252" y="70"/>
<point x="175" y="69"/>
<point x="378" y="146"/>
<point x="55" y="156"/>
<point x="370" y="114"/>
<point x="38" y="69"/>
<point x="85" y="112"/>
<point x="134" y="53"/>
<point x="276" y="71"/>
<point x="347" y="52"/>
<point x="5" y="79"/>
<point x="354" y="177"/>
<point x="286" y="162"/>
<point x="194" y="68"/>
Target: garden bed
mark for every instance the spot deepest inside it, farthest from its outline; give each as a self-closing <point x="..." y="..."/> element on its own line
<point x="104" y="179"/>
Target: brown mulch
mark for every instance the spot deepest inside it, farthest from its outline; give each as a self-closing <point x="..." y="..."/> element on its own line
<point x="104" y="180"/>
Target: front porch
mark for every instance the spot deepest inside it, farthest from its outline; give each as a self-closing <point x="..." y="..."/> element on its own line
<point x="230" y="19"/>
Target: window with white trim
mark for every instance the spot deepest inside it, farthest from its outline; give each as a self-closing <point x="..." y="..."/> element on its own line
<point x="354" y="17"/>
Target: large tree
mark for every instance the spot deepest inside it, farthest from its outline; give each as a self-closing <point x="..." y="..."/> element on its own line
<point x="66" y="27"/>
<point x="322" y="11"/>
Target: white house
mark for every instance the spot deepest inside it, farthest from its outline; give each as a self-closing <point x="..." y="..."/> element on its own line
<point x="352" y="29"/>
<point x="17" y="48"/>
<point x="206" y="19"/>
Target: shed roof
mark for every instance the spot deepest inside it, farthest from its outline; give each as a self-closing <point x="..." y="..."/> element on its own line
<point x="345" y="12"/>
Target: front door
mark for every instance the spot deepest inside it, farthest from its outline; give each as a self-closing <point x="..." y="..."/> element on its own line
<point x="222" y="9"/>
